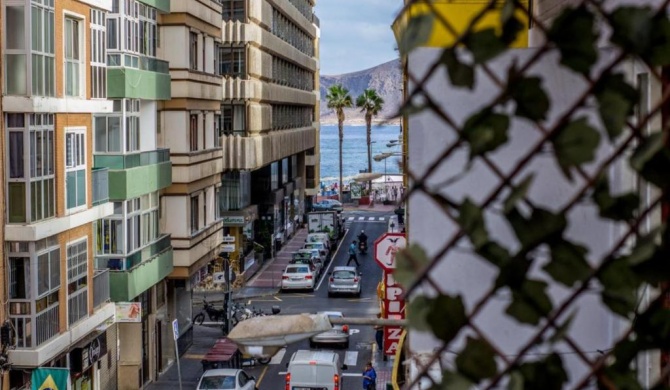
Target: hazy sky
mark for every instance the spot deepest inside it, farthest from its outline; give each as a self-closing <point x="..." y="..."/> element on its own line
<point x="356" y="34"/>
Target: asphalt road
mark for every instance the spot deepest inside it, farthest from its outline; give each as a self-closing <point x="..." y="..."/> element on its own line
<point x="361" y="337"/>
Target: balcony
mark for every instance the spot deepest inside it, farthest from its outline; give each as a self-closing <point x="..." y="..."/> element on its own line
<point x="100" y="288"/>
<point x="131" y="276"/>
<point x="100" y="186"/>
<point x="138" y="77"/>
<point x="132" y="175"/>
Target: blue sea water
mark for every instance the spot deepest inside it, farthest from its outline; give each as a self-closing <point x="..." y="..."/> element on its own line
<point x="354" y="151"/>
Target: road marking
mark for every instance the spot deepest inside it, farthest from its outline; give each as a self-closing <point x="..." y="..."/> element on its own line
<point x="351" y="374"/>
<point x="350" y="358"/>
<point x="276" y="298"/>
<point x="359" y="299"/>
<point x="277" y="358"/>
<point x="381" y="219"/>
<point x="361" y="218"/>
<point x="354" y="331"/>
<point x="298" y="295"/>
<point x="194" y="356"/>
<point x="350" y="219"/>
<point x="261" y="376"/>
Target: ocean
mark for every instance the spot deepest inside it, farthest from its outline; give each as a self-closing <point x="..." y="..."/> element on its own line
<point x="354" y="151"/>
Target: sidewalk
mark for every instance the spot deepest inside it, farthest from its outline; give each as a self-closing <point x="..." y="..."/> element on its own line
<point x="383" y="368"/>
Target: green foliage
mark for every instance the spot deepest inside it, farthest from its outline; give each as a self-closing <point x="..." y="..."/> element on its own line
<point x="575" y="144"/>
<point x="573" y="32"/>
<point x="418" y="31"/>
<point x="477" y="360"/>
<point x="459" y="73"/>
<point x="485" y="131"/>
<point x="531" y="100"/>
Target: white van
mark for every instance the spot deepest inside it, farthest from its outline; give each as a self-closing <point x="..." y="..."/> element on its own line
<point x="314" y="370"/>
<point x="319" y="237"/>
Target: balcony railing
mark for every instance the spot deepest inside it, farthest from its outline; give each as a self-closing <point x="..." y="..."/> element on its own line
<point x="114" y="263"/>
<point x="100" y="288"/>
<point x="46" y="325"/>
<point x="100" y="186"/>
<point x="77" y="306"/>
<point x="127" y="161"/>
<point x="140" y="62"/>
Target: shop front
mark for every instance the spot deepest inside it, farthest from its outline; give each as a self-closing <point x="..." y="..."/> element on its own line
<point x="85" y="359"/>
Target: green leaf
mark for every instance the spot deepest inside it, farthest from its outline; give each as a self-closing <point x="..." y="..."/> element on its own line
<point x="530" y="303"/>
<point x="518" y="193"/>
<point x="542" y="227"/>
<point x="621" y="302"/>
<point x="409" y="108"/>
<point x="447" y="317"/>
<point x="494" y="253"/>
<point x="460" y="74"/>
<point x="485" y="131"/>
<point x="616" y="101"/>
<point x="484" y="45"/>
<point x="515" y="381"/>
<point x="653" y="328"/>
<point x="568" y="263"/>
<point x="632" y="28"/>
<point x="659" y="54"/>
<point x="547" y="374"/>
<point x="410" y="261"/>
<point x="471" y="220"/>
<point x="617" y="208"/>
<point x="575" y="144"/>
<point x="625" y="379"/>
<point x="418" y="32"/>
<point x="646" y="150"/>
<point x="507" y="11"/>
<point x="513" y="273"/>
<point x="619" y="286"/>
<point x="417" y="313"/>
<point x="562" y="329"/>
<point x="651" y="160"/>
<point x="453" y="381"/>
<point x="575" y="35"/>
<point x="531" y="100"/>
<point x="477" y="360"/>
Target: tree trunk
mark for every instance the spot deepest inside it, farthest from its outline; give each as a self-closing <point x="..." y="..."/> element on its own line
<point x="368" y="123"/>
<point x="340" y="125"/>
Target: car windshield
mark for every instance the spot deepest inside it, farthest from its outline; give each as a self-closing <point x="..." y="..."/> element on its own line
<point x="217" y="382"/>
<point x="344" y="275"/>
<point x="297" y="270"/>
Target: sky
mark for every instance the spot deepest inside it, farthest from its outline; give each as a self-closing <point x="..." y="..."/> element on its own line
<point x="356" y="34"/>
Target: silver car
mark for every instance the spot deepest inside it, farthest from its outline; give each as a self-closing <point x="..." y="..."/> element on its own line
<point x="226" y="379"/>
<point x="339" y="335"/>
<point x="344" y="280"/>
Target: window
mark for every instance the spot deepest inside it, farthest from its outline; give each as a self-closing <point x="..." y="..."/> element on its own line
<point x="43" y="48"/>
<point x="19" y="278"/>
<point x="233" y="10"/>
<point x="73" y="57"/>
<point x="77" y="273"/>
<point x="16" y="81"/>
<point x="30" y="187"/>
<point x="193" y="51"/>
<point x="284" y="171"/>
<point x="235" y="191"/>
<point x="48" y="272"/>
<point x="217" y="130"/>
<point x="98" y="55"/>
<point x="109" y="236"/>
<point x="132" y="125"/>
<point x="232" y="61"/>
<point x="193" y="132"/>
<point x="274" y="175"/>
<point x="233" y="119"/>
<point x="75" y="167"/>
<point x="194" y="214"/>
<point x="107" y="134"/>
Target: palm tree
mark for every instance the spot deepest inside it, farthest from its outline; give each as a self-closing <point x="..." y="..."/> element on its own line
<point x="338" y="98"/>
<point x="371" y="104"/>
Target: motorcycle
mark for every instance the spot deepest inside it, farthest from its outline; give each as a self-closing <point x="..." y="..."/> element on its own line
<point x="363" y="247"/>
<point x="216" y="315"/>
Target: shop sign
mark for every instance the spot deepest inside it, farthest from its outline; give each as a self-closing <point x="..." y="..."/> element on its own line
<point x="128" y="312"/>
<point x="229" y="239"/>
<point x="233" y="220"/>
<point x="83" y="357"/>
<point x="228" y="248"/>
<point x="394" y="308"/>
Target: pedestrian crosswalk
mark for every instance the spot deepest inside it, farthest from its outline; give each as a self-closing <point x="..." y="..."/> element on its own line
<point x="350" y="220"/>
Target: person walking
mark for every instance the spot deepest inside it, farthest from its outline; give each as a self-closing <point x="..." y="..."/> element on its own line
<point x="369" y="377"/>
<point x="352" y="254"/>
<point x="379" y="335"/>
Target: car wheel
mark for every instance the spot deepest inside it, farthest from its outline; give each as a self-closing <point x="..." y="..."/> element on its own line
<point x="358" y="294"/>
<point x="312" y="345"/>
<point x="330" y="294"/>
<point x="265" y="360"/>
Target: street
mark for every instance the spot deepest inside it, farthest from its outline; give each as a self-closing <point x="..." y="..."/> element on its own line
<point x="362" y="338"/>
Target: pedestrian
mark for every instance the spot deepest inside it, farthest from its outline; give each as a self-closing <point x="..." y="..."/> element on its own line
<point x="379" y="335"/>
<point x="369" y="377"/>
<point x="352" y="254"/>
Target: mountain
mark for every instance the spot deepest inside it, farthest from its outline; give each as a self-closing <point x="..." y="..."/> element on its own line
<point x="386" y="79"/>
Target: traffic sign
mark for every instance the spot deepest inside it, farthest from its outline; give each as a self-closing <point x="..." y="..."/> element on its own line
<point x="175" y="329"/>
<point x="386" y="248"/>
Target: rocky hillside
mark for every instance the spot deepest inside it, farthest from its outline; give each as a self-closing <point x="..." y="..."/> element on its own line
<point x="385" y="78"/>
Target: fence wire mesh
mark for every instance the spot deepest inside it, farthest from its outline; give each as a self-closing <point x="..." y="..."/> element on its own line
<point x="543" y="278"/>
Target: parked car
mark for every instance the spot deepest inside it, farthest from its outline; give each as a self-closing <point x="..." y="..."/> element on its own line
<point x="319" y="237"/>
<point x="344" y="280"/>
<point x="318" y="245"/>
<point x="315" y="254"/>
<point x="315" y="263"/>
<point x="328" y="205"/>
<point x="298" y="277"/>
<point x="339" y="335"/>
<point x="226" y="379"/>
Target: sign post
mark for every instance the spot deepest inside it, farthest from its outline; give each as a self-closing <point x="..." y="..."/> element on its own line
<point x="175" y="333"/>
<point x="386" y="248"/>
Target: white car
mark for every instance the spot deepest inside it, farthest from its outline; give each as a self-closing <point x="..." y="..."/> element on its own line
<point x="298" y="277"/>
<point x="226" y="379"/>
<point x="318" y="245"/>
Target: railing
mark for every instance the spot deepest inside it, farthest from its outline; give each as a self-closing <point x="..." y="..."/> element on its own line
<point x="46" y="325"/>
<point x="77" y="306"/>
<point x="140" y="62"/>
<point x="100" y="178"/>
<point x="114" y="263"/>
<point x="127" y="161"/>
<point x="101" y="290"/>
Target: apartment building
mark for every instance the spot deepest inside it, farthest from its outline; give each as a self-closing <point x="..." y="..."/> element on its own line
<point x="58" y="302"/>
<point x="131" y="243"/>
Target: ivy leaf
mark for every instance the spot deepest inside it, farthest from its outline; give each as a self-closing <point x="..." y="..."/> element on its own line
<point x="653" y="327"/>
<point x="409" y="262"/>
<point x="531" y="100"/>
<point x="617" y="208"/>
<point x="568" y="263"/>
<point x="477" y="360"/>
<point x="651" y="160"/>
<point x="460" y="74"/>
<point x="575" y="35"/>
<point x="625" y="351"/>
<point x="471" y="220"/>
<point x="453" y="381"/>
<point x="660" y="42"/>
<point x="530" y="303"/>
<point x="409" y="108"/>
<point x="575" y="144"/>
<point x="513" y="273"/>
<point x="484" y="45"/>
<point x="562" y="329"/>
<point x="417" y="33"/>
<point x="515" y="381"/>
<point x="542" y="226"/>
<point x="447" y="317"/>
<point x="547" y="374"/>
<point x="485" y="131"/>
<point x="632" y="29"/>
<point x="510" y="27"/>
<point x="619" y="286"/>
<point x="495" y="253"/>
<point x="417" y="313"/>
<point x="624" y="379"/>
<point x="507" y="11"/>
<point x="518" y="193"/>
<point x="616" y="101"/>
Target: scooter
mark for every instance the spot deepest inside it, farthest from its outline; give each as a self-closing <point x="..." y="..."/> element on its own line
<point x="363" y="247"/>
<point x="216" y="315"/>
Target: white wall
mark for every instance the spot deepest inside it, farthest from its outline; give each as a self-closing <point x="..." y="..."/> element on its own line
<point x="175" y="130"/>
<point x="148" y="125"/>
<point x="460" y="272"/>
<point x="176" y="215"/>
<point x="175" y="46"/>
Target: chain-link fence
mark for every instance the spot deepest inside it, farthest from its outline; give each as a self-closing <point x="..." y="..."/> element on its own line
<point x="538" y="178"/>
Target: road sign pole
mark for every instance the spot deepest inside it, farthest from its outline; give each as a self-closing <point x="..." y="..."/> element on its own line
<point x="175" y="333"/>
